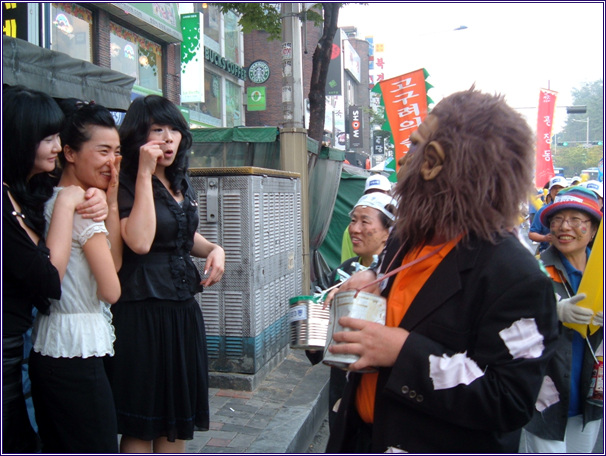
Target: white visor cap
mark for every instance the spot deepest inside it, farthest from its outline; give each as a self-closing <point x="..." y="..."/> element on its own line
<point x="377" y="201"/>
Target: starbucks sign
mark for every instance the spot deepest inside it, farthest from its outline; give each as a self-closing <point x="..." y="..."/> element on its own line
<point x="258" y="71"/>
<point x="224" y="64"/>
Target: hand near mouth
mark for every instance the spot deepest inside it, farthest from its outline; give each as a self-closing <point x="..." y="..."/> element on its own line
<point x="149" y="154"/>
<point x="112" y="189"/>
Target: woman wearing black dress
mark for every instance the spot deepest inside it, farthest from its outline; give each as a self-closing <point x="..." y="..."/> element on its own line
<point x="32" y="265"/>
<point x="159" y="373"/>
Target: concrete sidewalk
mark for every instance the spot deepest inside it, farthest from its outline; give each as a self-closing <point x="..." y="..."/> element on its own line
<point x="281" y="415"/>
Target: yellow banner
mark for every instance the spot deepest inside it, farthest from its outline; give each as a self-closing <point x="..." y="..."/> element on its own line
<point x="592" y="283"/>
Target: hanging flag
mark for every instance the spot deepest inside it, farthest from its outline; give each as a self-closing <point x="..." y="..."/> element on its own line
<point x="544" y="163"/>
<point x="354" y="123"/>
<point x="405" y="100"/>
<point x="192" y="61"/>
<point x="334" y="78"/>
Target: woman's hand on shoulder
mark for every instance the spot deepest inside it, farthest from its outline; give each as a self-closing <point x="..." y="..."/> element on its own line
<point x="215" y="266"/>
<point x="71" y="196"/>
<point x="94" y="205"/>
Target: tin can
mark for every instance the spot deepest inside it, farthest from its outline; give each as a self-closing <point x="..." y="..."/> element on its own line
<point x="596" y="387"/>
<point x="365" y="306"/>
<point x="308" y="323"/>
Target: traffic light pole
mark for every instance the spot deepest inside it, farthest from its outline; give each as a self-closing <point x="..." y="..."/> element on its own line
<point x="587" y="135"/>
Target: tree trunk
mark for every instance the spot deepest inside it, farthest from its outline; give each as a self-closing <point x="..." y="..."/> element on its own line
<point x="320" y="62"/>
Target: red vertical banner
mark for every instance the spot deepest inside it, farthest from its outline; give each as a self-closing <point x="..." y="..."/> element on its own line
<point x="543" y="162"/>
<point x="405" y="102"/>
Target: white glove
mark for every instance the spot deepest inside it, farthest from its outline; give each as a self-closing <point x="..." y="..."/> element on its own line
<point x="598" y="319"/>
<point x="569" y="312"/>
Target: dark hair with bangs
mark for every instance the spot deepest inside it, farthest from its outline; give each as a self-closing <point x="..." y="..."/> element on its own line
<point x="28" y="116"/>
<point x="134" y="131"/>
<point x="80" y="116"/>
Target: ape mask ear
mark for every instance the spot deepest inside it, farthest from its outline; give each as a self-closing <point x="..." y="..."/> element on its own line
<point x="433" y="160"/>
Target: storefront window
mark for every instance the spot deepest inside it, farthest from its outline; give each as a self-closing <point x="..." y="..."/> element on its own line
<point x="136" y="56"/>
<point x="219" y="109"/>
<point x="71" y="30"/>
<point x="212" y="24"/>
<point x="212" y="95"/>
<point x="232" y="38"/>
<point x="233" y="105"/>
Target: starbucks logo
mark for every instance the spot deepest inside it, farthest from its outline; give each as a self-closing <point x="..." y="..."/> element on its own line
<point x="258" y="71"/>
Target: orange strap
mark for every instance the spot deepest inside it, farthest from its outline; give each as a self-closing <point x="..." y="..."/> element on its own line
<point x="405" y="288"/>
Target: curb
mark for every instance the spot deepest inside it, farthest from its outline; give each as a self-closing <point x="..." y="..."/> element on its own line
<point x="294" y="426"/>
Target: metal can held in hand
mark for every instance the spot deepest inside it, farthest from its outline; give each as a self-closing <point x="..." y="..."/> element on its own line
<point x="365" y="306"/>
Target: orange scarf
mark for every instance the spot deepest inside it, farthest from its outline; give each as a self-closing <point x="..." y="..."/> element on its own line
<point x="407" y="284"/>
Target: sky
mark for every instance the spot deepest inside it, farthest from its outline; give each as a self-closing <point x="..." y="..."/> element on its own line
<point x="515" y="49"/>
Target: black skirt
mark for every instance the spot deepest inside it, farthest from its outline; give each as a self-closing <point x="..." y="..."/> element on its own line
<point x="18" y="436"/>
<point x="159" y="374"/>
<point x="73" y="404"/>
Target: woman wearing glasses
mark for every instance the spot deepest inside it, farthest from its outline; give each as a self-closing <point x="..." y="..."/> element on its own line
<point x="564" y="420"/>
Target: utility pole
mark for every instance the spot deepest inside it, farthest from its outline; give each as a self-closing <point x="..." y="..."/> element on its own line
<point x="293" y="135"/>
<point x="292" y="71"/>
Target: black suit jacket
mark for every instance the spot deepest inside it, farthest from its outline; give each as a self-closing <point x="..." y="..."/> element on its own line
<point x="482" y="329"/>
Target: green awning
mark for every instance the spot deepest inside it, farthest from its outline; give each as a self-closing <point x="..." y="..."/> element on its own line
<point x="332" y="154"/>
<point x="350" y="189"/>
<point x="313" y="146"/>
<point x="236" y="134"/>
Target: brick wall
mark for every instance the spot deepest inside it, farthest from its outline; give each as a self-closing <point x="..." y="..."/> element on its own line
<point x="258" y="47"/>
<point x="172" y="76"/>
<point x="101" y="43"/>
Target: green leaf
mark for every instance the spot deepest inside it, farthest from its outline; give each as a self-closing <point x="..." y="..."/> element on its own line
<point x="256" y="16"/>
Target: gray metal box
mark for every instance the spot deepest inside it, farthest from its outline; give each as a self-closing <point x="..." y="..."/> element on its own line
<point x="255" y="215"/>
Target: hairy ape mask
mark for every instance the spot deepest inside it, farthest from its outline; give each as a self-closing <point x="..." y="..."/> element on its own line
<point x="468" y="170"/>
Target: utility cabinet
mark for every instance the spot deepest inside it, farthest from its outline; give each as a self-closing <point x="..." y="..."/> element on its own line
<point x="255" y="215"/>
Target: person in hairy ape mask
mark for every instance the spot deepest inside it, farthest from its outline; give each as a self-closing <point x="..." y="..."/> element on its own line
<point x="471" y="319"/>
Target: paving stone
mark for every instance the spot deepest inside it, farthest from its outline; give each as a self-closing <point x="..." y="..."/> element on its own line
<point x="281" y="415"/>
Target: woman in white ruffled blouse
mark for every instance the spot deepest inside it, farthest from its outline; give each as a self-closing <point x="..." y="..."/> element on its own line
<point x="72" y="398"/>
